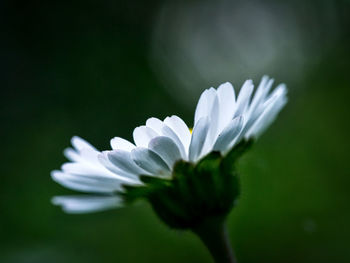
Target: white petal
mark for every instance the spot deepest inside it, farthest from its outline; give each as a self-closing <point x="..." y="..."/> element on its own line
<point x="118" y="143"/>
<point x="90" y="156"/>
<point x="180" y="128"/>
<point x="149" y="161"/>
<point x="72" y="155"/>
<point x="255" y="108"/>
<point x="80" y="144"/>
<point x="280" y="91"/>
<point x="201" y="109"/>
<point x="273" y="107"/>
<point x="228" y="135"/>
<point x="128" y="177"/>
<point x="155" y="124"/>
<point x="244" y="97"/>
<point x="89" y="184"/>
<point x="166" y="149"/>
<point x="81" y="168"/>
<point x="142" y="136"/>
<point x="168" y="132"/>
<point x="198" y="139"/>
<point x="123" y="161"/>
<point x="162" y="129"/>
<point x="204" y="105"/>
<point x="87" y="204"/>
<point x="226" y="96"/>
<point x="213" y="126"/>
<point x="262" y="90"/>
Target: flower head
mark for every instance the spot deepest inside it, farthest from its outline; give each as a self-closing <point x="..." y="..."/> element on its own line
<point x="161" y="149"/>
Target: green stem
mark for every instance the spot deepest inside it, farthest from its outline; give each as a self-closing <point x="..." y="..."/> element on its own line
<point x="213" y="233"/>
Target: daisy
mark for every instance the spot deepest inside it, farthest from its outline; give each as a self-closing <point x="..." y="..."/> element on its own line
<point x="222" y="120"/>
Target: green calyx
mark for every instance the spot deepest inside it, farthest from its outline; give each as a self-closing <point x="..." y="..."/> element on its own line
<point x="195" y="192"/>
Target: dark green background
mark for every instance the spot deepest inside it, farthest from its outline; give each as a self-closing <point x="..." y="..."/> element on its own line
<point x="83" y="68"/>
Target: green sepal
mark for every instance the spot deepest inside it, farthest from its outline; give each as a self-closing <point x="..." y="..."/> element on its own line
<point x="133" y="193"/>
<point x="151" y="185"/>
<point x="234" y="154"/>
<point x="195" y="192"/>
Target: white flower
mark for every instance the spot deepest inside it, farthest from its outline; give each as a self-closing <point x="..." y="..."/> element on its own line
<point x="221" y="121"/>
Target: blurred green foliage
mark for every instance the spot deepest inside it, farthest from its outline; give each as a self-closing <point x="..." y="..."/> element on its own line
<point x="82" y="69"/>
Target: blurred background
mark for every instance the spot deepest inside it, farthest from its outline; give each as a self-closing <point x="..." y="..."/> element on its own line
<point x="98" y="69"/>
